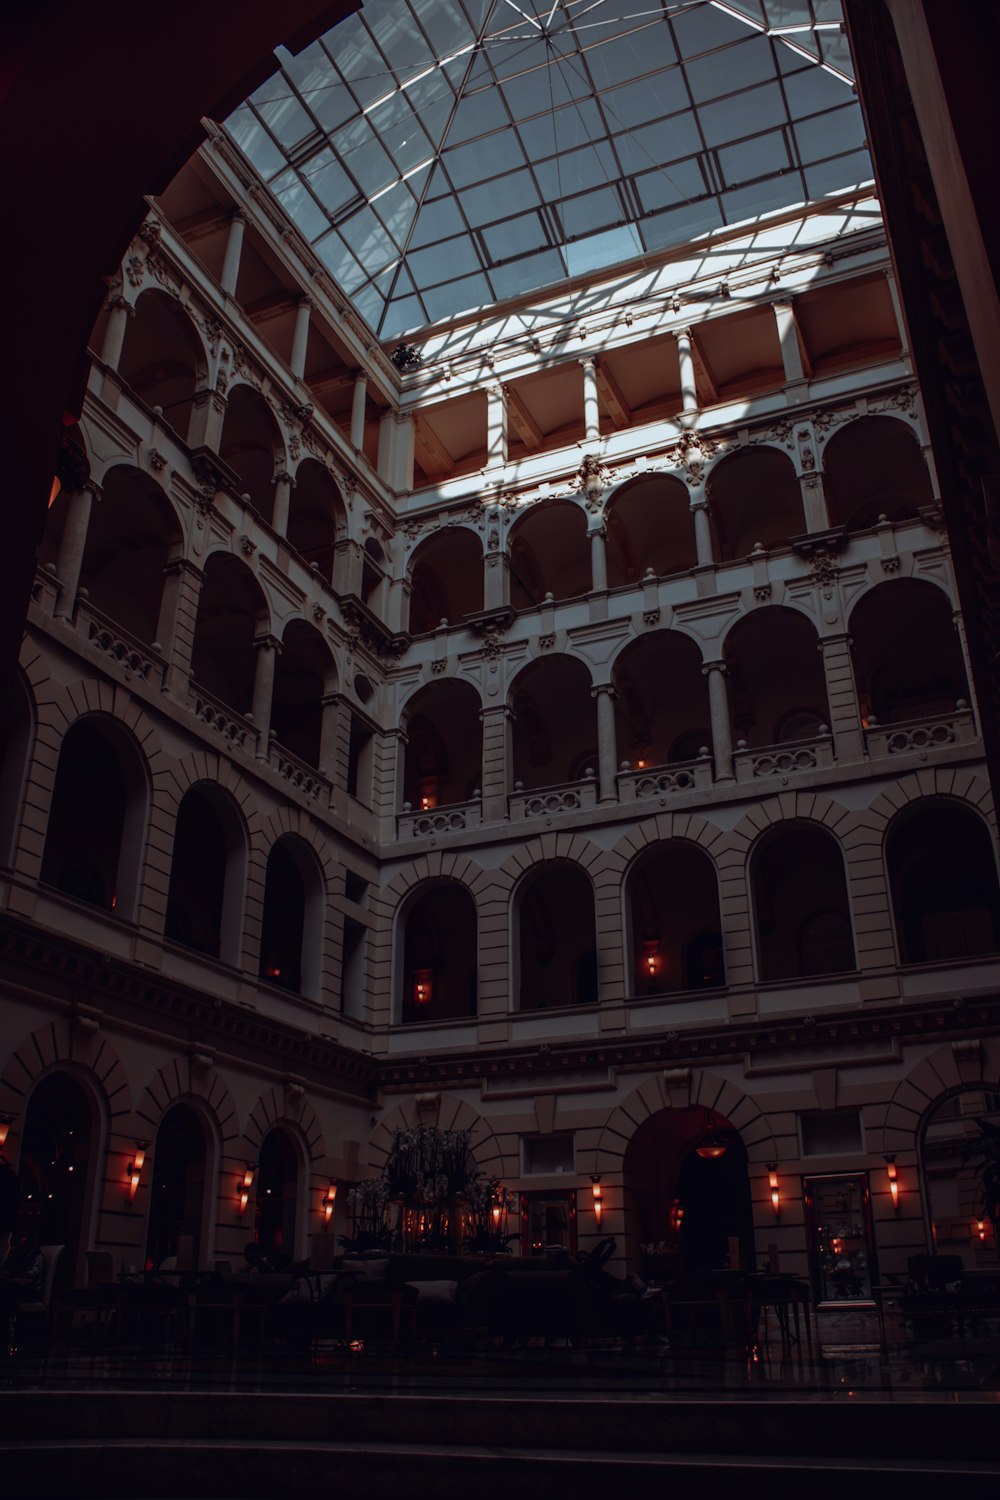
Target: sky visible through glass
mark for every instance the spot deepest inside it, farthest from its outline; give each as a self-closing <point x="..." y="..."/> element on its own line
<point x="445" y="155"/>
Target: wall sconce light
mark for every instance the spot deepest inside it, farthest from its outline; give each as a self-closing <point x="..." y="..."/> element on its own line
<point x="244" y="1184"/>
<point x="134" y="1169"/>
<point x="328" y="1202"/>
<point x="422" y="986"/>
<point x="891" y="1173"/>
<point x="772" y="1182"/>
<point x="6" y="1121"/>
<point x="651" y="959"/>
<point x="595" y="1188"/>
<point x="676" y="1219"/>
<point x="981" y="1231"/>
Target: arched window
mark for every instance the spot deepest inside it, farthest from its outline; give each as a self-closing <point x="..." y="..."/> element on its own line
<point x="777" y="688"/>
<point x="557" y="939"/>
<point x="278" y="1198"/>
<point x="754" y="496"/>
<point x="251" y="445"/>
<point x="439" y="955"/>
<point x="133" y="534"/>
<point x="178" y="1191"/>
<point x="162" y="358"/>
<point x="801" y="908"/>
<point x="907" y="655"/>
<point x="654" y="727"/>
<point x="943" y="878"/>
<point x="549" y="554"/>
<point x="315" y="516"/>
<point x="292" y="923"/>
<point x="446" y="579"/>
<point x="56" y="1169"/>
<point x="93" y="845"/>
<point x="874" y="467"/>
<point x="650" y="526"/>
<point x="303" y="674"/>
<point x="205" y="899"/>
<point x="555" y="722"/>
<point x="232" y="613"/>
<point x="444" y="745"/>
<point x="672" y="897"/>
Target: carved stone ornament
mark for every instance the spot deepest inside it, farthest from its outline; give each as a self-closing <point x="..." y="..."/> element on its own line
<point x="508" y="502"/>
<point x="493" y="643"/>
<point x="319" y="613"/>
<point x="546" y="641"/>
<point x="245" y="368"/>
<point x="824" y="572"/>
<point x="204" y="498"/>
<point x="438" y="665"/>
<point x="150" y="234"/>
<point x="248" y="546"/>
<point x="762" y="592"/>
<point x="493" y="539"/>
<point x="651" y="617"/>
<point x="905" y="400"/>
<point x="135" y="269"/>
<point x="781" y="432"/>
<point x="591" y="479"/>
<point x="156" y="459"/>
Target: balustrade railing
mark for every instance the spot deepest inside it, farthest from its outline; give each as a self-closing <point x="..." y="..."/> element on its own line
<point x="426" y="822"/>
<point x="131" y="656"/>
<point x="917" y="735"/>
<point x="546" y="801"/>
<point x="783" y="760"/>
<point x="238" y="732"/>
<point x="303" y="777"/>
<point x="661" y="782"/>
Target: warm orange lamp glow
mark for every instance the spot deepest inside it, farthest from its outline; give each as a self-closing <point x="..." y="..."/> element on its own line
<point x="244" y="1184"/>
<point x="6" y="1121"/>
<point x="651" y="959"/>
<point x="981" y="1230"/>
<point x="772" y="1182"/>
<point x="54" y="491"/>
<point x="328" y="1202"/>
<point x="134" y="1168"/>
<point x="595" y="1188"/>
<point x="676" y="1216"/>
<point x="422" y="986"/>
<point x="891" y="1173"/>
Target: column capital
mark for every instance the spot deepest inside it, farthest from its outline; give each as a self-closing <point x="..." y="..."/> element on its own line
<point x="118" y="300"/>
<point x="600" y="689"/>
<point x="282" y="476"/>
<point x="304" y="301"/>
<point x="239" y="216"/>
<point x="182" y="565"/>
<point x="588" y="361"/>
<point x="496" y="711"/>
<point x="718" y="665"/>
<point x="267" y="643"/>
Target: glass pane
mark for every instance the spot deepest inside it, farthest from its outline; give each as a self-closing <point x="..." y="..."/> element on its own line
<point x="601" y="250"/>
<point x="362" y="154"/>
<point x="369" y="241"/>
<point x="684" y="180"/>
<point x="435" y="221"/>
<point x="329" y="181"/>
<point x="842" y="172"/>
<point x="763" y="197"/>
<point x="755" y="110"/>
<point x="576" y="171"/>
<point x="759" y="157"/>
<point x="450" y="258"/>
<point x="658" y="144"/>
<point x="563" y="131"/>
<point x="503" y="196"/>
<point x="621" y="58"/>
<point x="703" y="27"/>
<point x="515" y="237"/>
<point x="733" y="68"/>
<point x="638" y="103"/>
<point x="300" y="205"/>
<point x="829" y="134"/>
<point x="458" y="297"/>
<point x="497" y="153"/>
<point x="251" y="137"/>
<point x="591" y="211"/>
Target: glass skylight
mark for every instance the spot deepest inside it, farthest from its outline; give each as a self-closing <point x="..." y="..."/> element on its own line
<point x="445" y="155"/>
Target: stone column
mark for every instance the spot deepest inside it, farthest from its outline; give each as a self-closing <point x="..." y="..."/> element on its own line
<point x="496" y="423"/>
<point x="842" y="697"/>
<point x="604" y="692"/>
<point x="300" y="337"/>
<point x="788" y="338"/>
<point x="72" y="546"/>
<point x="402" y="469"/>
<point x="718" y="707"/>
<point x="702" y="533"/>
<point x="591" y="411"/>
<point x="814" y="501"/>
<point x="208" y="412"/>
<point x="283" y="486"/>
<point x="685" y="356"/>
<point x="267" y="648"/>
<point x="496" y="722"/>
<point x="234" y="250"/>
<point x="348" y="564"/>
<point x="358" y="406"/>
<point x="598" y="560"/>
<point x="496" y="582"/>
<point x="175" y="625"/>
<point x="120" y="310"/>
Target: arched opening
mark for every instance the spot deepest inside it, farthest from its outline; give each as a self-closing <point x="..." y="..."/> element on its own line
<point x="133" y="533"/>
<point x="232" y="613"/>
<point x="754" y="496"/>
<point x="292" y="922"/>
<point x="14" y="765"/>
<point x="162" y="358"/>
<point x="446" y="579"/>
<point x="178" y="1191"/>
<point x="684" y="1208"/>
<point x="205" y="898"/>
<point x="278" y="1198"/>
<point x="56" y="1168"/>
<point x="650" y="528"/>
<point x="672" y="897"/>
<point x="315" y="516"/>
<point x="554" y="732"/>
<point x="549" y="554"/>
<point x="444" y="745"/>
<point x="93" y="843"/>
<point x="303" y="674"/>
<point x="251" y="445"/>
<point x="943" y="879"/>
<point x="801" y="911"/>
<point x="557" y="939"/>
<point x="874" y="467"/>
<point x="907" y="655"/>
<point x="956" y="1151"/>
<point x="439" y="955"/>
<point x="777" y="688"/>
<point x="656" y="725"/>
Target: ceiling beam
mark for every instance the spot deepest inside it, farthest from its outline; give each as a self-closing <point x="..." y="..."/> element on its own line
<point x="433" y="456"/>
<point x="525" y="425"/>
<point x="273" y="306"/>
<point x="704" y="379"/>
<point x="609" y="391"/>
